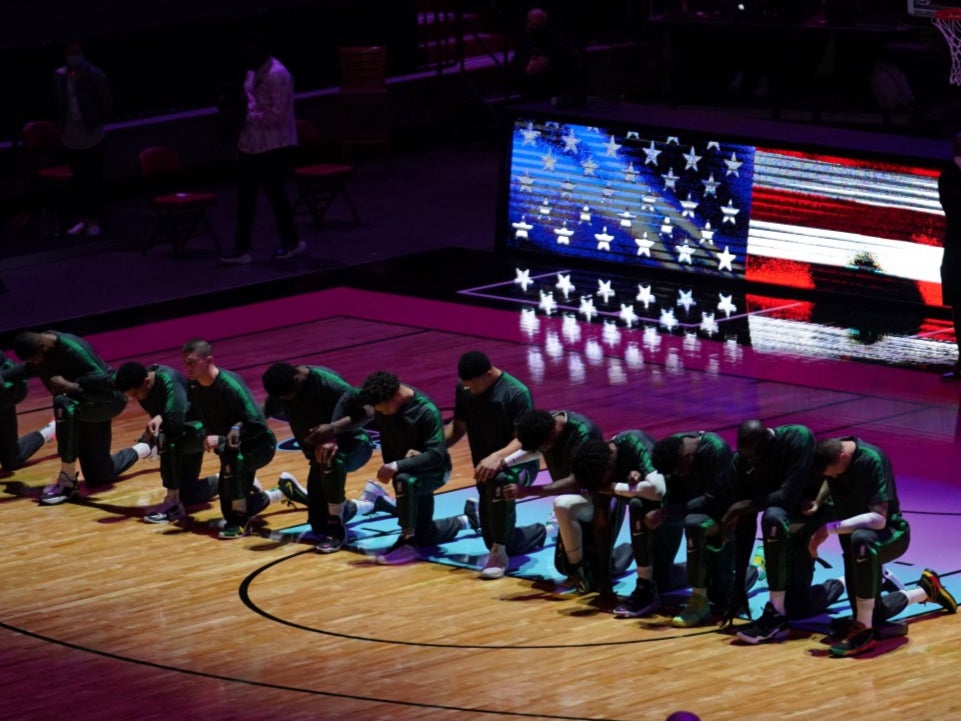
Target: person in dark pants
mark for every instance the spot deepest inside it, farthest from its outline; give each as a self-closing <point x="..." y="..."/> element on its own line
<point x="949" y="193"/>
<point x="416" y="463"/>
<point x="84" y="404"/>
<point x="773" y="473"/>
<point x="487" y="404"/>
<point x="267" y="138"/>
<point x="327" y="421"/>
<point x="868" y="523"/>
<point x="236" y="431"/>
<point x="175" y="434"/>
<point x="84" y="103"/>
<point x="623" y="468"/>
<point x="15" y="449"/>
<point x="587" y="522"/>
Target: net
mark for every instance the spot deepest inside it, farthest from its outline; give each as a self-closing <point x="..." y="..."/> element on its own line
<point x="948" y="21"/>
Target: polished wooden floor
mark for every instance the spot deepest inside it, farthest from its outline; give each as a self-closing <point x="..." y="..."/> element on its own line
<point x="105" y="617"/>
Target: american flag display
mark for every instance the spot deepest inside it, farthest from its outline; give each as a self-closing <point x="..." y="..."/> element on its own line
<point x="701" y="204"/>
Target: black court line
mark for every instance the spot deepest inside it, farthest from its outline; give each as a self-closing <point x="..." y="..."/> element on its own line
<point x="245" y="597"/>
<point x="293" y="689"/>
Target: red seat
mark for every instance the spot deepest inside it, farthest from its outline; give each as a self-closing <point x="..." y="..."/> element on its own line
<point x="181" y="213"/>
<point x="319" y="184"/>
<point x="50" y="179"/>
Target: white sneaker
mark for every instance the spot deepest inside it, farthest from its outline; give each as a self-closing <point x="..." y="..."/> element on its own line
<point x="378" y="495"/>
<point x="496" y="565"/>
<point x="60" y="491"/>
<point x="79" y="229"/>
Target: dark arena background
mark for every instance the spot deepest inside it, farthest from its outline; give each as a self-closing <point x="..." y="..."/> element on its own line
<point x="726" y="211"/>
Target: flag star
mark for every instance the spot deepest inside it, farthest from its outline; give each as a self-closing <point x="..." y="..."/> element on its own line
<point x="670" y="180"/>
<point x="567" y="189"/>
<point x="685" y="253"/>
<point x="564" y="284"/>
<point x="522" y="278"/>
<point x="563" y="234"/>
<point x="685" y="299"/>
<point x="729" y="213"/>
<point x="587" y="307"/>
<point x="725" y="305"/>
<point x="648" y="201"/>
<point x="666" y="227"/>
<point x="521" y="227"/>
<point x="645" y="296"/>
<point x="530" y="323"/>
<point x="594" y="129"/>
<point x="549" y="161"/>
<point x="571" y="141"/>
<point x="530" y="134"/>
<point x="708" y="324"/>
<point x="627" y="218"/>
<point x="689" y="206"/>
<point x="651" y="152"/>
<point x="725" y="260"/>
<point x="713" y="145"/>
<point x="691" y="159"/>
<point x="611" y="334"/>
<point x="710" y="185"/>
<point x="547" y="303"/>
<point x="585" y="216"/>
<point x="571" y="329"/>
<point x="627" y="314"/>
<point x="604" y="290"/>
<point x="732" y="165"/>
<point x="707" y="234"/>
<point x="667" y="319"/>
<point x="673" y="140"/>
<point x="545" y="207"/>
<point x="611" y="148"/>
<point x="603" y="239"/>
<point x="527" y="182"/>
<point x="632" y="135"/>
<point x="630" y="174"/>
<point x="644" y="245"/>
<point x="607" y="195"/>
<point x="589" y="166"/>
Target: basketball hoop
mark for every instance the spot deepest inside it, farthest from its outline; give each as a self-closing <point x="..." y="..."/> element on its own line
<point x="948" y="21"/>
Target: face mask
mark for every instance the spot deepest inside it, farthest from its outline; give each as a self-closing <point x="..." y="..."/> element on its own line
<point x="75" y="60"/>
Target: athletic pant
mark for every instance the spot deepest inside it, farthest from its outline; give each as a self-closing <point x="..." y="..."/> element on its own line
<point x="238" y="468"/>
<point x="498" y="516"/>
<point x="865" y="552"/>
<point x="327" y="484"/>
<point x="181" y="459"/>
<point x="415" y="508"/>
<point x="576" y="527"/>
<point x="84" y="434"/>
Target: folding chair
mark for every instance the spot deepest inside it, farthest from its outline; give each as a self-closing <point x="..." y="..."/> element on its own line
<point x="50" y="179"/>
<point x="180" y="213"/>
<point x="319" y="184"/>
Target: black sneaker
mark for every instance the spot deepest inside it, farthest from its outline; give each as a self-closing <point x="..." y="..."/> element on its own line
<point x="858" y="640"/>
<point x="770" y="626"/>
<point x="581" y="580"/>
<point x="60" y="491"/>
<point x="642" y="601"/>
<point x="292" y="490"/>
<point x="470" y="510"/>
<point x="841" y="627"/>
<point x="936" y="592"/>
<point x="329" y="544"/>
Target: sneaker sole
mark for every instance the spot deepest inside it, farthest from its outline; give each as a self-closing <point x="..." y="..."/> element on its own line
<point x="842" y="653"/>
<point x="755" y="640"/>
<point x="58" y="500"/>
<point x="937" y="593"/>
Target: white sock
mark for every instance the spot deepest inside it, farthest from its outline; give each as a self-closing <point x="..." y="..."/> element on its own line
<point x="49" y="431"/>
<point x="275" y="495"/>
<point x="865" y="608"/>
<point x="915" y="595"/>
<point x="464" y="522"/>
<point x="141" y="449"/>
<point x="645" y="573"/>
<point x="551" y="531"/>
<point x="777" y="600"/>
<point x="364" y="507"/>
